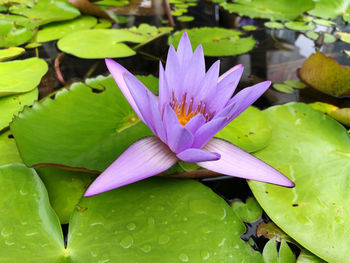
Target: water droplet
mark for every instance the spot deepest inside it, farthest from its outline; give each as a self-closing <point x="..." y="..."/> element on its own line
<point x="185" y="219"/>
<point x="183" y="257"/>
<point x="96" y="224"/>
<point x="23" y="192"/>
<point x="222" y="242"/>
<point x="205" y="230"/>
<point x="163" y="239"/>
<point x="146" y="248"/>
<point x="205" y="254"/>
<point x="127" y="242"/>
<point x="131" y="226"/>
<point x="209" y="208"/>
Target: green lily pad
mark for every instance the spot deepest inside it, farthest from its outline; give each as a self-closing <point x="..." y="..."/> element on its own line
<point x="328" y="38"/>
<point x="307" y="257"/>
<point x="299" y="26"/>
<point x="249" y="211"/>
<point x="103" y="23"/>
<point x="345" y="37"/>
<point x="249" y="131"/>
<point x="185" y="18"/>
<point x="15" y="30"/>
<point x="284" y="88"/>
<point x="58" y="30"/>
<point x="331" y="9"/>
<point x="11" y="105"/>
<point x="216" y="41"/>
<point x="181" y="220"/>
<point x="10" y="52"/>
<point x="104" y="122"/>
<point x="342" y="115"/>
<point x="65" y="189"/>
<point x="324" y="22"/>
<point x="112" y="2"/>
<point x="28" y="223"/>
<point x="8" y="149"/>
<point x="249" y="28"/>
<point x="274" y="25"/>
<point x="21" y="76"/>
<point x="313" y="150"/>
<point x="275" y="10"/>
<point x="285" y="254"/>
<point x="325" y="74"/>
<point x="295" y="84"/>
<point x="46" y="11"/>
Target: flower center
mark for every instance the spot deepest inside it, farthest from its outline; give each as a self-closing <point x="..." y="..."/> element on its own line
<point x="185" y="111"/>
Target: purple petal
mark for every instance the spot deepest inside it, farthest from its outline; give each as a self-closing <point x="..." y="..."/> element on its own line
<point x="207" y="131"/>
<point x="195" y="123"/>
<point x="173" y="72"/>
<point x="144" y="158"/>
<point x="207" y="87"/>
<point x="157" y="118"/>
<point x="236" y="162"/>
<point x="197" y="155"/>
<point x="225" y="88"/>
<point x="164" y="93"/>
<point x="184" y="50"/>
<point x="178" y="137"/>
<point x="223" y="76"/>
<point x="117" y="72"/>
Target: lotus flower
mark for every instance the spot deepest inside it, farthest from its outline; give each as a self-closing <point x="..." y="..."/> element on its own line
<point x="193" y="105"/>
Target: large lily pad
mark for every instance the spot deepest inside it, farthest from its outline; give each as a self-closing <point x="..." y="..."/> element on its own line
<point x="79" y="128"/>
<point x="284" y="10"/>
<point x="331" y="9"/>
<point x="10" y="52"/>
<point x="11" y="105"/>
<point x="216" y="41"/>
<point x="46" y="11"/>
<point x="8" y="149"/>
<point x="57" y="30"/>
<point x="314" y="151"/>
<point x="149" y="221"/>
<point x="21" y="76"/>
<point x="325" y="74"/>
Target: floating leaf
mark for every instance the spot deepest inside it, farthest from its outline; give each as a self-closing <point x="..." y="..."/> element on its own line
<point x="57" y="30"/>
<point x="46" y="11"/>
<point x="112" y="2"/>
<point x="324" y="22"/>
<point x="185" y="18"/>
<point x="11" y="105"/>
<point x="249" y="28"/>
<point x="249" y="211"/>
<point x="8" y="149"/>
<point x="249" y="131"/>
<point x="284" y="88"/>
<point x="274" y="25"/>
<point x="299" y="26"/>
<point x="295" y="84"/>
<point x="331" y="9"/>
<point x="306" y="256"/>
<point x="275" y="10"/>
<point x="345" y="37"/>
<point x="10" y="52"/>
<point x="216" y="41"/>
<point x="325" y="74"/>
<point x="347" y="52"/>
<point x="104" y="121"/>
<point x="103" y="23"/>
<point x="327" y="38"/>
<point x="65" y="189"/>
<point x="313" y="150"/>
<point x="341" y="115"/>
<point x="21" y="76"/>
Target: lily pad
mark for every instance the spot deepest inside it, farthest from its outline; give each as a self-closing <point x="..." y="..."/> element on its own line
<point x="65" y="189"/>
<point x="299" y="26"/>
<point x="331" y="9"/>
<point x="249" y="211"/>
<point x="284" y="88"/>
<point x="21" y="76"/>
<point x="216" y="41"/>
<point x="10" y="52"/>
<point x="295" y="84"/>
<point x="103" y="23"/>
<point x="275" y="10"/>
<point x="11" y="105"/>
<point x="57" y="30"/>
<point x="104" y="121"/>
<point x="274" y="25"/>
<point x="285" y="254"/>
<point x="185" y="18"/>
<point x="249" y="28"/>
<point x="327" y="38"/>
<point x="341" y="115"/>
<point x="8" y="149"/>
<point x="46" y="11"/>
<point x="313" y="150"/>
<point x="249" y="131"/>
<point x="324" y="22"/>
<point x="325" y="74"/>
<point x="345" y="37"/>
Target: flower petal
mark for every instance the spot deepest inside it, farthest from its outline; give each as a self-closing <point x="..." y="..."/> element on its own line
<point x="173" y="72"/>
<point x="195" y="123"/>
<point x="208" y="85"/>
<point x="178" y="137"/>
<point x="184" y="50"/>
<point x="117" y="72"/>
<point x="157" y="122"/>
<point x="236" y="162"/>
<point x="207" y="131"/>
<point x="197" y="155"/>
<point x="144" y="158"/>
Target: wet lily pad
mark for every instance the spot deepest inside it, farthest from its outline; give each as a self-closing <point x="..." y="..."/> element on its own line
<point x="11" y="105"/>
<point x="57" y="30"/>
<point x="274" y="25"/>
<point x="46" y="11"/>
<point x="8" y="149"/>
<point x="299" y="26"/>
<point x="104" y="121"/>
<point x="282" y="10"/>
<point x="325" y="74"/>
<point x="250" y="130"/>
<point x="10" y="52"/>
<point x="21" y="76"/>
<point x="216" y="41"/>
<point x="313" y="150"/>
<point x="249" y="211"/>
<point x="331" y="9"/>
<point x="65" y="188"/>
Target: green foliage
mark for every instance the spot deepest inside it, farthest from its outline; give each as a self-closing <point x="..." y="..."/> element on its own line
<point x="249" y="211"/>
<point x="10" y="52"/>
<point x="331" y="9"/>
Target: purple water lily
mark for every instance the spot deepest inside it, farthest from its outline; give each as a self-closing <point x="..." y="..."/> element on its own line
<point x="191" y="108"/>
